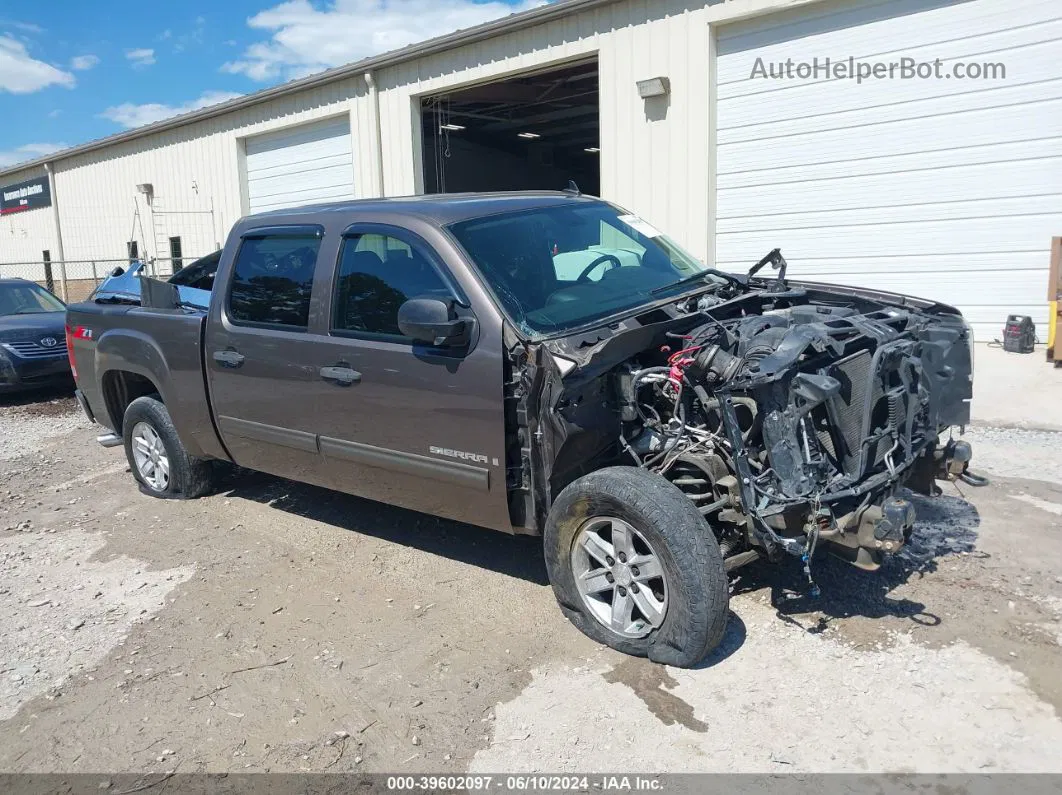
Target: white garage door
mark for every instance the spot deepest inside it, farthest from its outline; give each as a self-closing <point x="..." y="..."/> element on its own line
<point x="946" y="188"/>
<point x="300" y="165"/>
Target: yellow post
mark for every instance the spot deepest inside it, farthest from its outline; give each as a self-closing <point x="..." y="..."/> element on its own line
<point x="1052" y="326"/>
<point x="1054" y="298"/>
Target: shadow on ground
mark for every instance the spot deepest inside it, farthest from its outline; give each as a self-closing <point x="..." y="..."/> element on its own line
<point x="733" y="639"/>
<point x="515" y="556"/>
<point x="42" y="401"/>
<point x="945" y="526"/>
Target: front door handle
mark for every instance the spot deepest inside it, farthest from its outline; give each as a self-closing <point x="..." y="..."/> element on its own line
<point x="228" y="358"/>
<point x="343" y="376"/>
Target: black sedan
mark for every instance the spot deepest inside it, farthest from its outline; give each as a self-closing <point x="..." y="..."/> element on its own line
<point x="32" y="337"/>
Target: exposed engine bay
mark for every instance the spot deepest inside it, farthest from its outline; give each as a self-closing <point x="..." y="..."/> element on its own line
<point x="792" y="415"/>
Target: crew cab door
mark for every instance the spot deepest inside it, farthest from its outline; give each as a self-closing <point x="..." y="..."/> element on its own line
<point x="399" y="421"/>
<point x="259" y="353"/>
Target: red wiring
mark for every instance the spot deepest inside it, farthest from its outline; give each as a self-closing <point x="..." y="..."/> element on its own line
<point x="679" y="362"/>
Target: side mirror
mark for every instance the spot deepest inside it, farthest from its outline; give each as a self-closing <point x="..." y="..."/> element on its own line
<point x="433" y="321"/>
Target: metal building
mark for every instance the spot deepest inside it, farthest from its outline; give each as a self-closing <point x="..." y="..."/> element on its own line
<point x="947" y="188"/>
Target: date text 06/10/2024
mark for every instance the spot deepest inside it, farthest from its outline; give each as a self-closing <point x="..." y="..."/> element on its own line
<point x="524" y="783"/>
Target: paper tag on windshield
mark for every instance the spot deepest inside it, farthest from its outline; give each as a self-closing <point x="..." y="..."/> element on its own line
<point x="637" y="224"/>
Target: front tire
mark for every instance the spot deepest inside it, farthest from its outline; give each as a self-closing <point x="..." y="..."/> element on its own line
<point x="159" y="462"/>
<point x="636" y="567"/>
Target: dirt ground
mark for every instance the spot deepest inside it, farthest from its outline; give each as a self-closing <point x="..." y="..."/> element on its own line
<point x="280" y="627"/>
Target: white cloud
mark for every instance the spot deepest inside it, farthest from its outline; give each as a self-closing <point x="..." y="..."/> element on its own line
<point x="193" y="38"/>
<point x="306" y="39"/>
<point x="130" y="115"/>
<point x="26" y="152"/>
<point x="27" y="27"/>
<point x="79" y="63"/>
<point x="20" y="73"/>
<point x="55" y="114"/>
<point x="141" y="56"/>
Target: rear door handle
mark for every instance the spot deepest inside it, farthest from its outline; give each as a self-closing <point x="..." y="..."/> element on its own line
<point x="228" y="358"/>
<point x="343" y="376"/>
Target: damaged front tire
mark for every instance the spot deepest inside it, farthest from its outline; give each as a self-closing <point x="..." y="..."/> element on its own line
<point x="635" y="566"/>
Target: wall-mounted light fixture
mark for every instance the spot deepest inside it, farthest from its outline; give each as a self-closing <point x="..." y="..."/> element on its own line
<point x="654" y="87"/>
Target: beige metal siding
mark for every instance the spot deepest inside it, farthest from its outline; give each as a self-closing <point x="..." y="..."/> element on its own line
<point x="193" y="170"/>
<point x="950" y="189"/>
<point x="654" y="157"/>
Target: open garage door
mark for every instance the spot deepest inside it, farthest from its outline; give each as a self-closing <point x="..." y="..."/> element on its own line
<point x="533" y="132"/>
<point x="943" y="187"/>
<point x="300" y="165"/>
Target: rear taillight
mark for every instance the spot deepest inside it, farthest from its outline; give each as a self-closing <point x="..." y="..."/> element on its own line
<point x="75" y="333"/>
<point x="70" y="350"/>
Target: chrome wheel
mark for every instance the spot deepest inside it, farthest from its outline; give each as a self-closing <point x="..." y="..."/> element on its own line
<point x="152" y="463"/>
<point x="619" y="577"/>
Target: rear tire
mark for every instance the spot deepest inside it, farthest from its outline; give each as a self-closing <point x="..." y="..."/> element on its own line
<point x="679" y="590"/>
<point x="159" y="462"/>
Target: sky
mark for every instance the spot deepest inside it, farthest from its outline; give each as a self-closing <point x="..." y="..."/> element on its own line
<point x="73" y="71"/>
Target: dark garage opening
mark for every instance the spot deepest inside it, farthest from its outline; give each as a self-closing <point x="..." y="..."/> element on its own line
<point x="533" y="132"/>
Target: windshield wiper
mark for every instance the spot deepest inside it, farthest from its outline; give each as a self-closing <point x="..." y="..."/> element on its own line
<point x="694" y="279"/>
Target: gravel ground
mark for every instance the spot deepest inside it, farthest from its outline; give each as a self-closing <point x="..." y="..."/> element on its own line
<point x="26" y="424"/>
<point x="1012" y="453"/>
<point x="786" y="701"/>
<point x="279" y="627"/>
<point x="926" y="675"/>
<point x="69" y="609"/>
<point x="1016" y="390"/>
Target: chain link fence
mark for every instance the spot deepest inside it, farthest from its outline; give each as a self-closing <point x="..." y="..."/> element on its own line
<point x="74" y="280"/>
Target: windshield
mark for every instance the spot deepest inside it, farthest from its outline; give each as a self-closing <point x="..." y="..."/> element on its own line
<point x="26" y="299"/>
<point x="556" y="268"/>
<point x="200" y="274"/>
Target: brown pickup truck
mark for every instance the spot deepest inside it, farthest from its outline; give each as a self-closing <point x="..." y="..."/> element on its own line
<point x="547" y="364"/>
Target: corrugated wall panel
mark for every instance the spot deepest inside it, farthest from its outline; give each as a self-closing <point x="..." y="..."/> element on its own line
<point x="950" y="189"/>
<point x="653" y="154"/>
<point x="192" y="169"/>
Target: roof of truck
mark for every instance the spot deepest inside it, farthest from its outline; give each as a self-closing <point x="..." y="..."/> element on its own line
<point x="439" y="209"/>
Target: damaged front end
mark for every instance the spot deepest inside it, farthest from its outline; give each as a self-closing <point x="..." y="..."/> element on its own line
<point x="792" y="415"/>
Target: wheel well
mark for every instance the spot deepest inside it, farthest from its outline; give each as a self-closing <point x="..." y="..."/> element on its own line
<point x="120" y="388"/>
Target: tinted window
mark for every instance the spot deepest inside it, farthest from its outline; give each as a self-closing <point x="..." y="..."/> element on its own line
<point x="377" y="274"/>
<point x="200" y="274"/>
<point x="272" y="280"/>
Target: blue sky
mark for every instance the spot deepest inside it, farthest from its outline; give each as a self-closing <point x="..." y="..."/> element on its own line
<point x="72" y="71"/>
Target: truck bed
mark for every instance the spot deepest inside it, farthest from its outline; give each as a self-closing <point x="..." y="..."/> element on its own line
<point x="123" y="351"/>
